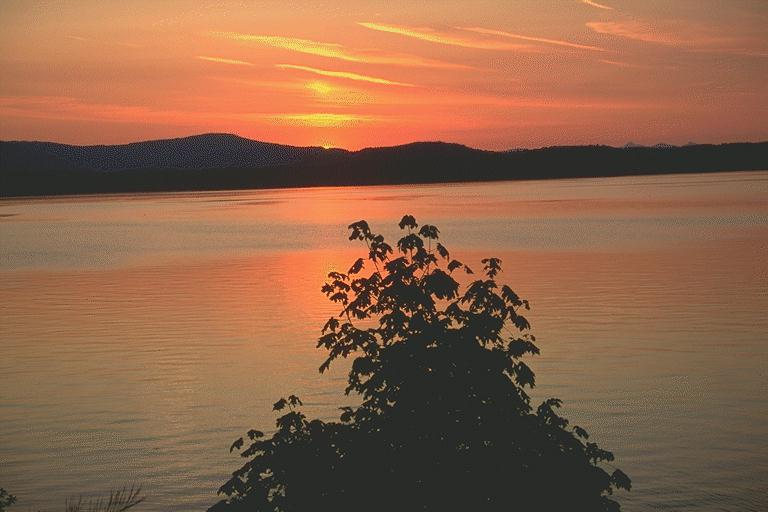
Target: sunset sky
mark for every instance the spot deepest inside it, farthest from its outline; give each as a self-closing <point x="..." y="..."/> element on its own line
<point x="489" y="74"/>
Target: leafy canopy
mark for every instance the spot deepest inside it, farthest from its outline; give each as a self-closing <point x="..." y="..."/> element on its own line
<point x="445" y="421"/>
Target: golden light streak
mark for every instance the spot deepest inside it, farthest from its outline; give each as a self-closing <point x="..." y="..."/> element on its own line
<point x="544" y="40"/>
<point x="319" y="87"/>
<point x="426" y="34"/>
<point x="224" y="61"/>
<point x="344" y="74"/>
<point x="321" y="120"/>
<point x="332" y="50"/>
<point x="338" y="51"/>
<point x="595" y="4"/>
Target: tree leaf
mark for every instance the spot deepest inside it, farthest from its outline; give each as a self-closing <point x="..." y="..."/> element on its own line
<point x="621" y="480"/>
<point x="357" y="266"/>
<point x="236" y="445"/>
<point x="429" y="231"/>
<point x="408" y="221"/>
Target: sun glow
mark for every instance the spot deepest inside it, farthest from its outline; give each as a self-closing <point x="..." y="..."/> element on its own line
<point x="322" y="120"/>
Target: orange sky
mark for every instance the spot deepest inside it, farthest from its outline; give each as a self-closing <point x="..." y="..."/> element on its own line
<point x="490" y="74"/>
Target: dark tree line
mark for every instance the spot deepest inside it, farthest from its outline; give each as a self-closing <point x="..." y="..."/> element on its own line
<point x="34" y="168"/>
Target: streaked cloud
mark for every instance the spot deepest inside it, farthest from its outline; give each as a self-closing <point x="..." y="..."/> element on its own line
<point x="439" y="37"/>
<point x="337" y="51"/>
<point x="619" y="64"/>
<point x="595" y="4"/>
<point x="539" y="101"/>
<point x="344" y="74"/>
<point x="224" y="61"/>
<point x="635" y="65"/>
<point x="690" y="37"/>
<point x="332" y="50"/>
<point x="557" y="42"/>
<point x="321" y="88"/>
<point x="637" y="31"/>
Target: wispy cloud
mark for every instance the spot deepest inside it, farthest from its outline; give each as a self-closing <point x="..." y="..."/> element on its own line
<point x="690" y="37"/>
<point x="332" y="50"/>
<point x="344" y="74"/>
<point x="619" y="64"/>
<point x="439" y="37"/>
<point x="595" y="4"/>
<point x="221" y="60"/>
<point x="532" y="102"/>
<point x="337" y="51"/>
<point x="635" y="65"/>
<point x="636" y="31"/>
<point x="557" y="42"/>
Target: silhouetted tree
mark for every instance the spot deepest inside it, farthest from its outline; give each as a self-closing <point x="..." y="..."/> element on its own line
<point x="445" y="422"/>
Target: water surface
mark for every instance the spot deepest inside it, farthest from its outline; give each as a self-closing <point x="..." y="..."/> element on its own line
<point x="141" y="334"/>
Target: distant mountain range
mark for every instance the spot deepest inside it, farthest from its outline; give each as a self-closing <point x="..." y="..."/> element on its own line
<point x="224" y="161"/>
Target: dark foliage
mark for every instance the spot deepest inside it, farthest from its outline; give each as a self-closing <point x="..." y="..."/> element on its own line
<point x="6" y="500"/>
<point x="117" y="501"/>
<point x="445" y="422"/>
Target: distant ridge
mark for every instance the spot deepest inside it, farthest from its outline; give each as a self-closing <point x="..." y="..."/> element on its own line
<point x="206" y="151"/>
<point x="219" y="161"/>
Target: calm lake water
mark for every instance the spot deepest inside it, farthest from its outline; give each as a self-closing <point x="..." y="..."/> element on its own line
<point x="141" y="334"/>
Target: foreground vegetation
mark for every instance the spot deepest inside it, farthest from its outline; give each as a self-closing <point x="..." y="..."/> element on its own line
<point x="445" y="421"/>
<point x="116" y="501"/>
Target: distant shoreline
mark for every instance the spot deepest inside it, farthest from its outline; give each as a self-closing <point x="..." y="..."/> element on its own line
<point x="35" y="169"/>
<point x="129" y="194"/>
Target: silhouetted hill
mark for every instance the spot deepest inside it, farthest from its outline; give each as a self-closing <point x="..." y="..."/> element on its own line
<point x="208" y="151"/>
<point x="221" y="161"/>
